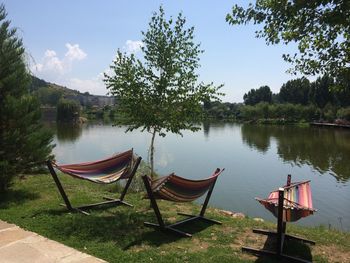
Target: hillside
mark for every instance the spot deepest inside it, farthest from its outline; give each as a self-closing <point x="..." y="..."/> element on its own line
<point x="50" y="93"/>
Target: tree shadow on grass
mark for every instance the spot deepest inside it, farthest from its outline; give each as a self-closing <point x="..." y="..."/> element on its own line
<point x="16" y="197"/>
<point x="123" y="227"/>
<point x="156" y="237"/>
<point x="291" y="248"/>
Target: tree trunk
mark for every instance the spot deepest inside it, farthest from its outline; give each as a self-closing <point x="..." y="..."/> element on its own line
<point x="152" y="152"/>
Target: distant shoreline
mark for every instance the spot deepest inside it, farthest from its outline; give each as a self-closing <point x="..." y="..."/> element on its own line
<point x="327" y="124"/>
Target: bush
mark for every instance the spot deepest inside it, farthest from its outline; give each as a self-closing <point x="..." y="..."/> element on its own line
<point x="68" y="110"/>
<point x="329" y="113"/>
<point x="344" y="113"/>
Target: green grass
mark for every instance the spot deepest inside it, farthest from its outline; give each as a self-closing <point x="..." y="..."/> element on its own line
<point x="117" y="234"/>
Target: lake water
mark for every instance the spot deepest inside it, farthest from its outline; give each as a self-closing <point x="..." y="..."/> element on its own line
<point x="256" y="159"/>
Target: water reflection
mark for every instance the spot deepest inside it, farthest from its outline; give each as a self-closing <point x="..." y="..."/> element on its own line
<point x="258" y="139"/>
<point x="206" y="128"/>
<point x="67" y="132"/>
<point x="327" y="150"/>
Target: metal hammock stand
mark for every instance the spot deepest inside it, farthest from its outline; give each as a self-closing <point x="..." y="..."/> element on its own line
<point x="280" y="203"/>
<point x="106" y="171"/>
<point x="178" y="189"/>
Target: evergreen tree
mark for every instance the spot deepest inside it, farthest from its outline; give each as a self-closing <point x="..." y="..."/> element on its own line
<point x="23" y="142"/>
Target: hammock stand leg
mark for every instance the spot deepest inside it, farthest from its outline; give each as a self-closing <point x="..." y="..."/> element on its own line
<point x="126" y="187"/>
<point x="161" y="226"/>
<point x="281" y="236"/>
<point x="170" y="228"/>
<point x="110" y="200"/>
<point x="202" y="212"/>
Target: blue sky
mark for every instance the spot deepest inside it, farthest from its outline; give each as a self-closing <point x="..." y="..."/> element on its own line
<point x="72" y="43"/>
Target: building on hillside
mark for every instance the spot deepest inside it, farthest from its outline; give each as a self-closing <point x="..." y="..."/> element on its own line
<point x="88" y="100"/>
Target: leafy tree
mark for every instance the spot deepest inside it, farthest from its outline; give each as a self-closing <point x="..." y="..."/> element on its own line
<point x="295" y="91"/>
<point x="320" y="93"/>
<point x="68" y="110"/>
<point x="161" y="94"/>
<point x="48" y="95"/>
<point x="23" y="142"/>
<point x="341" y="94"/>
<point x="344" y="113"/>
<point x="254" y="96"/>
<point x="321" y="28"/>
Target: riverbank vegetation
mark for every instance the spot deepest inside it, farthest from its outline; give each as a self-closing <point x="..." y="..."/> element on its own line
<point x="298" y="100"/>
<point x="118" y="235"/>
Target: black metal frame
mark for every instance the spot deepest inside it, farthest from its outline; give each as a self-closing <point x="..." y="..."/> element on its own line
<point x="110" y="201"/>
<point x="280" y="234"/>
<point x="170" y="228"/>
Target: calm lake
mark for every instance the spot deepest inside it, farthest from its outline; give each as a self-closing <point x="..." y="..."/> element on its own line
<point x="256" y="159"/>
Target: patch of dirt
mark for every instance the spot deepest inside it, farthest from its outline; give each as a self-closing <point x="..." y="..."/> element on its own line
<point x="249" y="239"/>
<point x="332" y="253"/>
<point x="171" y="219"/>
<point x="227" y="229"/>
<point x="182" y="208"/>
<point x="198" y="245"/>
<point x="139" y="248"/>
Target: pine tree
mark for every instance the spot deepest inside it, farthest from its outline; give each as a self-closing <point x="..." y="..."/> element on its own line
<point x="23" y="142"/>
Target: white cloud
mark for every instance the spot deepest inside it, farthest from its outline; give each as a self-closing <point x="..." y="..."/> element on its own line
<point x="56" y="69"/>
<point x="94" y="86"/>
<point x="50" y="53"/>
<point x="59" y="70"/>
<point x="133" y="46"/>
<point x="51" y="64"/>
<point x="74" y="52"/>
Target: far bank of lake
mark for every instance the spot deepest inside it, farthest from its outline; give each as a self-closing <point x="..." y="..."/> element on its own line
<point x="257" y="159"/>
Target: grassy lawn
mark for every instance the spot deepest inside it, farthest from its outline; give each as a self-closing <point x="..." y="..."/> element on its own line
<point x="117" y="234"/>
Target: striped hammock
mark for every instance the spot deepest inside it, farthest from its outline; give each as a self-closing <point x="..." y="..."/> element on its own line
<point x="178" y="189"/>
<point x="297" y="201"/>
<point x="104" y="171"/>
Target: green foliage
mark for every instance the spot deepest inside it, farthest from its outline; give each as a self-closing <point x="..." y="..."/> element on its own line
<point x="68" y="110"/>
<point x="24" y="144"/>
<point x="320" y="28"/>
<point x="254" y="96"/>
<point x="320" y="92"/>
<point x="295" y="91"/>
<point x="281" y="113"/>
<point x="48" y="95"/>
<point x="344" y="113"/>
<point x="222" y="111"/>
<point x="161" y="94"/>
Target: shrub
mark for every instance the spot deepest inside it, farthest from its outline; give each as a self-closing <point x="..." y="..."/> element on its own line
<point x="68" y="110"/>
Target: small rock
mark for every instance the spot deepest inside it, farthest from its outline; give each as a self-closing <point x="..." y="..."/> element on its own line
<point x="225" y="212"/>
<point x="233" y="214"/>
<point x="257" y="219"/>
<point x="238" y="215"/>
